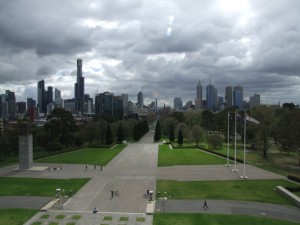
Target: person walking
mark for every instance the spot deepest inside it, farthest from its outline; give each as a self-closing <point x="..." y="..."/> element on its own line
<point x="205" y="207"/>
<point x="112" y="194"/>
<point x="85" y="168"/>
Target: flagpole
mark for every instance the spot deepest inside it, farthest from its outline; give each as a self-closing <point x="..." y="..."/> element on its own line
<point x="235" y="169"/>
<point x="245" y="123"/>
<point x="228" y="117"/>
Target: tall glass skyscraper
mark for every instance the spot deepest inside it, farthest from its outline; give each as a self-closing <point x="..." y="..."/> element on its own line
<point x="198" y="100"/>
<point x="79" y="88"/>
<point x="211" y="97"/>
<point x="140" y="99"/>
<point x="238" y="97"/>
<point x="228" y="96"/>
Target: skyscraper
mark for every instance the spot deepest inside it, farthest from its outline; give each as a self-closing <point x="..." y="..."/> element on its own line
<point x="211" y="97"/>
<point x="79" y="88"/>
<point x="58" y="99"/>
<point x="254" y="101"/>
<point x="238" y="97"/>
<point x="228" y="96"/>
<point x="104" y="103"/>
<point x="125" y="103"/>
<point x="140" y="99"/>
<point x="198" y="100"/>
<point x="177" y="103"/>
<point x="41" y="96"/>
<point x="11" y="101"/>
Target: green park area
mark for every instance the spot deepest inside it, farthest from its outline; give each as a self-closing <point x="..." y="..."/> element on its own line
<point x="215" y="219"/>
<point x="16" y="216"/>
<point x="186" y="156"/>
<point x="89" y="156"/>
<point x="11" y="186"/>
<point x="242" y="190"/>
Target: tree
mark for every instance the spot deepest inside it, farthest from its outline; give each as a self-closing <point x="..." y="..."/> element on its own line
<point x="136" y="135"/>
<point x="108" y="136"/>
<point x="157" y="134"/>
<point x="171" y="134"/>
<point x="61" y="126"/>
<point x="215" y="140"/>
<point x="197" y="134"/>
<point x="184" y="130"/>
<point x="180" y="137"/>
<point x="208" y="120"/>
<point x="120" y="137"/>
<point x="192" y="118"/>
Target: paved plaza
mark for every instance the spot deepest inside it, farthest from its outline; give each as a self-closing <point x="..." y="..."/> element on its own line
<point x="131" y="173"/>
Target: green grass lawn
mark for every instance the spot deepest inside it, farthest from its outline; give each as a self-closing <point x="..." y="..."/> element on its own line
<point x="16" y="216"/>
<point x="244" y="190"/>
<point x="215" y="219"/>
<point x="92" y="156"/>
<point x="11" y="186"/>
<point x="188" y="156"/>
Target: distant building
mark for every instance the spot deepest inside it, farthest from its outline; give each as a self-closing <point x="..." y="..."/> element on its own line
<point x="69" y="104"/>
<point x="254" y="101"/>
<point x="41" y="96"/>
<point x="211" y="97"/>
<point x="21" y="107"/>
<point x="88" y="104"/>
<point x="11" y="101"/>
<point x="3" y="106"/>
<point x="125" y="103"/>
<point x="104" y="103"/>
<point x="140" y="99"/>
<point x="118" y="107"/>
<point x="30" y="103"/>
<point x="79" y="88"/>
<point x="198" y="99"/>
<point x="228" y="96"/>
<point x="238" y="97"/>
<point x="59" y="102"/>
<point x="50" y="108"/>
<point x="177" y="103"/>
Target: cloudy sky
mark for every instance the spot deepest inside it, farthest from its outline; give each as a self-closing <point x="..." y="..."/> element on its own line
<point x="161" y="47"/>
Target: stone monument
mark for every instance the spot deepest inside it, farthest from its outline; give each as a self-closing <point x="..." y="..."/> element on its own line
<point x="25" y="148"/>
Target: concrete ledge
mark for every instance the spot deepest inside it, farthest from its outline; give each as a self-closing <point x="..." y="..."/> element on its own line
<point x="150" y="208"/>
<point x="49" y="205"/>
<point x="289" y="195"/>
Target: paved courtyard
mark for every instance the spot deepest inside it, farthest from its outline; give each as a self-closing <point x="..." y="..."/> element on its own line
<point x="131" y="173"/>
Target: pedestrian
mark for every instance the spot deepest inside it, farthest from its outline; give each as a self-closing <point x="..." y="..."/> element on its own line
<point x="85" y="168"/>
<point x="100" y="168"/>
<point x="112" y="194"/>
<point x="95" y="210"/>
<point x="95" y="167"/>
<point x="205" y="207"/>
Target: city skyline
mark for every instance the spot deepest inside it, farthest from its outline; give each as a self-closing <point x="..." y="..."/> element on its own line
<point x="125" y="49"/>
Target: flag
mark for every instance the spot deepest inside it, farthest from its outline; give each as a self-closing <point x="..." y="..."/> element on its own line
<point x="251" y="119"/>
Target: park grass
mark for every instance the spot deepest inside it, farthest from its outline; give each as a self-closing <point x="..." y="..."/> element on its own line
<point x="87" y="156"/>
<point x="215" y="219"/>
<point x="188" y="156"/>
<point x="242" y="190"/>
<point x="16" y="216"/>
<point x="12" y="186"/>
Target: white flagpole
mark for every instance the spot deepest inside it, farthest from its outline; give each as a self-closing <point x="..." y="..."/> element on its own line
<point x="245" y="122"/>
<point x="235" y="169"/>
<point x="228" y="117"/>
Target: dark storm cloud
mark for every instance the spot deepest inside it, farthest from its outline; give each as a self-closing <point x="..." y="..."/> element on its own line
<point x="45" y="70"/>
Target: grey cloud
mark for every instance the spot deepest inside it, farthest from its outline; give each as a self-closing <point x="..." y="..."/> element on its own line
<point x="45" y="70"/>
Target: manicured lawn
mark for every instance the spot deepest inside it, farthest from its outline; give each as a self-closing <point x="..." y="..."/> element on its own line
<point x="16" y="216"/>
<point x="215" y="219"/>
<point x="188" y="156"/>
<point x="244" y="190"/>
<point x="11" y="186"/>
<point x="89" y="156"/>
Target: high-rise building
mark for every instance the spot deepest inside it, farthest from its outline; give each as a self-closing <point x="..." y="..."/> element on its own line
<point x="49" y="96"/>
<point x="69" y="104"/>
<point x="104" y="103"/>
<point x="3" y="106"/>
<point x="59" y="102"/>
<point x="211" y="97"/>
<point x="11" y="101"/>
<point x="254" y="101"/>
<point x="88" y="104"/>
<point x="140" y="99"/>
<point x="228" y="96"/>
<point x="238" y="97"/>
<point x="125" y="103"/>
<point x="79" y="88"/>
<point x="41" y="96"/>
<point x="30" y="104"/>
<point x="118" y="107"/>
<point x="21" y="107"/>
<point x="198" y="99"/>
<point x="177" y="103"/>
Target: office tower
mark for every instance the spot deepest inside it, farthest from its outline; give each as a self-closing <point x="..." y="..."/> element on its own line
<point x="3" y="106"/>
<point x="118" y="107"/>
<point x="59" y="102"/>
<point x="228" y="96"/>
<point x="211" y="97"/>
<point x="11" y="101"/>
<point x="125" y="103"/>
<point x="198" y="99"/>
<point x="49" y="96"/>
<point x="69" y="104"/>
<point x="140" y="99"/>
<point x="30" y="103"/>
<point x="41" y="96"/>
<point x="79" y="88"/>
<point x="254" y="101"/>
<point x="177" y="103"/>
<point x="21" y="107"/>
<point x="104" y="103"/>
<point x="88" y="104"/>
<point x="238" y="96"/>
